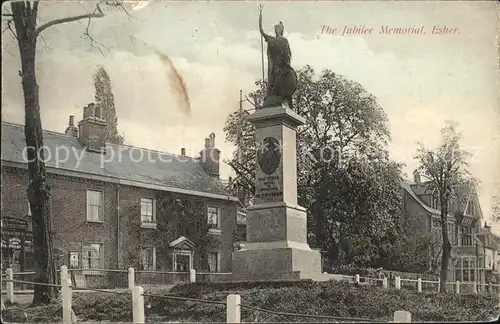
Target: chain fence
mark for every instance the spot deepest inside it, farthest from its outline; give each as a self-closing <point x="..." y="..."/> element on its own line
<point x="249" y="313"/>
<point x="108" y="297"/>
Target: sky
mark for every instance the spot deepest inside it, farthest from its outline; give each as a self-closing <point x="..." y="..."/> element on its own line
<point x="421" y="81"/>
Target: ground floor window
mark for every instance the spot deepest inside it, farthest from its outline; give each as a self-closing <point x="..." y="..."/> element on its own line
<point x="148" y="258"/>
<point x="465" y="269"/>
<point x="17" y="251"/>
<point x="92" y="256"/>
<point x="213" y="261"/>
<point x="183" y="261"/>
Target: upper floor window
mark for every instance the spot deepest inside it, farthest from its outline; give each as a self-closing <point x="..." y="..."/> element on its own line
<point x="213" y="214"/>
<point x="94" y="206"/>
<point x="467" y="234"/>
<point x="471" y="208"/>
<point x="436" y="223"/>
<point x="148" y="212"/>
<point x="435" y="201"/>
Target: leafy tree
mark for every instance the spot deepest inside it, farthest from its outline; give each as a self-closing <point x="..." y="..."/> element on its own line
<point x="105" y="102"/>
<point x="412" y="253"/>
<point x="447" y="168"/>
<point x="345" y="180"/>
<point x="26" y="32"/>
<point x="361" y="202"/>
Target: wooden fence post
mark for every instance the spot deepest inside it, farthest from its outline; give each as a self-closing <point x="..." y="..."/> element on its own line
<point x="66" y="295"/>
<point x="474" y="287"/>
<point x="439" y="284"/>
<point x="419" y="285"/>
<point x="131" y="278"/>
<point x="457" y="287"/>
<point x="385" y="284"/>
<point x="402" y="317"/>
<point x="138" y="304"/>
<point x="10" y="285"/>
<point x="233" y="311"/>
<point x="397" y="282"/>
<point x="192" y="275"/>
<point x="356" y="279"/>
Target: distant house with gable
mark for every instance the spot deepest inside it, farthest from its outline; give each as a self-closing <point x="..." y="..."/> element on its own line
<point x="491" y="250"/>
<point x="422" y="214"/>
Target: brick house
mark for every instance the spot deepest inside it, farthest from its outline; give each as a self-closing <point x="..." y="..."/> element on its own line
<point x="119" y="207"/>
<point x="421" y="214"/>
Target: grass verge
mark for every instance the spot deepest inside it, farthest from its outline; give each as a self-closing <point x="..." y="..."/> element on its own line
<point x="319" y="298"/>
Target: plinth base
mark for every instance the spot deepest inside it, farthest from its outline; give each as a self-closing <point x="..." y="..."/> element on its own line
<point x="277" y="261"/>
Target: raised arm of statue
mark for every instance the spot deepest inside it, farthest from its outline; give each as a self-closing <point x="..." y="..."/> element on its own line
<point x="266" y="37"/>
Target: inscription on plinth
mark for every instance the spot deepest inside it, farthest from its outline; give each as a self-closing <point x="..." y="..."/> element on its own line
<point x="269" y="184"/>
<point x="269" y="189"/>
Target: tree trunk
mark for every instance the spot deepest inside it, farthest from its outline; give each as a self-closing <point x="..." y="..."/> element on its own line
<point x="38" y="189"/>
<point x="445" y="257"/>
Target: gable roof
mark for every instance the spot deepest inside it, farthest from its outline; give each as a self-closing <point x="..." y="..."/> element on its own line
<point x="408" y="187"/>
<point x="180" y="241"/>
<point x="120" y="164"/>
<point x="415" y="190"/>
<point x="488" y="238"/>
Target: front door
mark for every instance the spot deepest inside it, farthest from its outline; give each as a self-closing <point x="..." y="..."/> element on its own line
<point x="182" y="263"/>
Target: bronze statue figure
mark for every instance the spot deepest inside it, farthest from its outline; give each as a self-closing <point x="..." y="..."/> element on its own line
<point x="281" y="78"/>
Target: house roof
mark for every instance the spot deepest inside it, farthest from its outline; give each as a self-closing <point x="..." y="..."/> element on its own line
<point x="409" y="188"/>
<point x="494" y="240"/>
<point x="415" y="190"/>
<point x="164" y="171"/>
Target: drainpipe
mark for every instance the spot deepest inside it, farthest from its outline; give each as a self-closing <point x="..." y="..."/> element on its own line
<point x="118" y="227"/>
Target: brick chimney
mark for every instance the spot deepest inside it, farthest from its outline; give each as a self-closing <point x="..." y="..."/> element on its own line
<point x="416" y="177"/>
<point x="71" y="130"/>
<point x="183" y="151"/>
<point x="92" y="130"/>
<point x="209" y="156"/>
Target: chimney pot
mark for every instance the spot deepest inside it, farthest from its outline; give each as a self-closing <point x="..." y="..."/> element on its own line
<point x="212" y="140"/>
<point x="92" y="131"/>
<point x="86" y="112"/>
<point x="183" y="151"/>
<point x="210" y="156"/>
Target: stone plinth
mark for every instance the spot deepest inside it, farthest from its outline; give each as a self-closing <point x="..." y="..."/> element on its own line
<point x="276" y="247"/>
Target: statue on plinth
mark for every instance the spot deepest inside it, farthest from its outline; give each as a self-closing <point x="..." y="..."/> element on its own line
<point x="281" y="77"/>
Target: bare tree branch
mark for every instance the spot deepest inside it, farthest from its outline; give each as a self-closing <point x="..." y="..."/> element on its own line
<point x="96" y="14"/>
<point x="9" y="27"/>
<point x="250" y="101"/>
<point x="92" y="40"/>
<point x="45" y="42"/>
